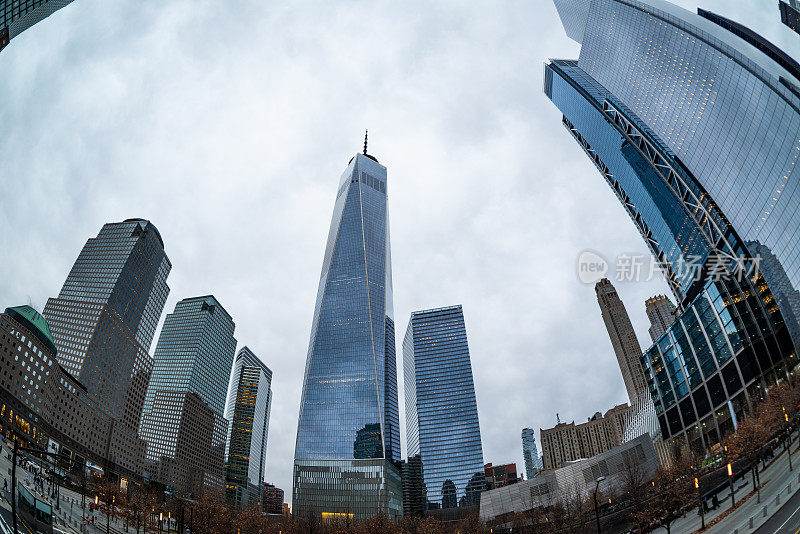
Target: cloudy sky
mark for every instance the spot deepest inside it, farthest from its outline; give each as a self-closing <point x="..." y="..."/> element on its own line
<point x="227" y="124"/>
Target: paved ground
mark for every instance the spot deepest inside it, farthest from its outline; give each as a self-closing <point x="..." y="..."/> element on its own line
<point x="786" y="520"/>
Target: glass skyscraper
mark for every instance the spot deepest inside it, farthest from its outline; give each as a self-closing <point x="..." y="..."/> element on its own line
<point x="530" y="453"/>
<point x="441" y="410"/>
<point x="790" y="14"/>
<point x="103" y="323"/>
<point x="16" y="16"/>
<point x="348" y="442"/>
<point x="247" y="410"/>
<point x="183" y="417"/>
<point x="694" y="121"/>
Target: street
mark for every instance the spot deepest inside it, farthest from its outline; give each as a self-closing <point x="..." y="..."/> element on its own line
<point x="786" y="520"/>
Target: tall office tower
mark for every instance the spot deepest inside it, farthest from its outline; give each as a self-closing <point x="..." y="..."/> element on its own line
<point x="103" y="323"/>
<point x="348" y="439"/>
<point x="790" y="14"/>
<point x="247" y="409"/>
<point x="661" y="312"/>
<point x="530" y="453"/>
<point x="182" y="418"/>
<point x="623" y="339"/>
<point x="16" y="16"/>
<point x="693" y="121"/>
<point x="441" y="411"/>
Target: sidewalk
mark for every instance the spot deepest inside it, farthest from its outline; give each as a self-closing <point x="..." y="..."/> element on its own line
<point x="780" y="485"/>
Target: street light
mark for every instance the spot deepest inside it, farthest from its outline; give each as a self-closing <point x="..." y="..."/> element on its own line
<point x="702" y="503"/>
<point x="596" y="509"/>
<point x="730" y="479"/>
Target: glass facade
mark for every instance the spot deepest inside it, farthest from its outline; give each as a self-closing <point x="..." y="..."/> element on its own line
<point x="103" y="322"/>
<point x="182" y="418"/>
<point x="729" y="111"/>
<point x="247" y="409"/>
<point x="530" y="453"/>
<point x="17" y="16"/>
<point x="695" y="124"/>
<point x="348" y="441"/>
<point x="441" y="410"/>
<point x="790" y="14"/>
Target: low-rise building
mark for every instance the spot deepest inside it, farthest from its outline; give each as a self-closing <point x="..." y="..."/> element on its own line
<point x="567" y="442"/>
<point x="575" y="480"/>
<point x="272" y="499"/>
<point x="498" y="476"/>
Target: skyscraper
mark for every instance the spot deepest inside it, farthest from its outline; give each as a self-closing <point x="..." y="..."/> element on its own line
<point x="661" y="312"/>
<point x="348" y="441"/>
<point x="623" y="339"/>
<point x="16" y="16"/>
<point x="530" y="453"/>
<point x="182" y="419"/>
<point x="103" y="323"/>
<point x="247" y="410"/>
<point x="693" y="121"/>
<point x="441" y="410"/>
<point x="790" y="14"/>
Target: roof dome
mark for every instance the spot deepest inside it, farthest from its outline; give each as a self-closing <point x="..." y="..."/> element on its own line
<point x="33" y="320"/>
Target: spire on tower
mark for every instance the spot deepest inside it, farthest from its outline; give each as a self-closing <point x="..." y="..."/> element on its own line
<point x="366" y="132"/>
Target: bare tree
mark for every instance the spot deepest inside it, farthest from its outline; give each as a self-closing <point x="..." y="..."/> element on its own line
<point x="672" y="495"/>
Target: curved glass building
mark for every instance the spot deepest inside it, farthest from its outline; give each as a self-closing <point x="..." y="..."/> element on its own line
<point x="694" y="121"/>
<point x="348" y="442"/>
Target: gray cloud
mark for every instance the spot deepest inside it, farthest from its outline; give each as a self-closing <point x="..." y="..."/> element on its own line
<point x="229" y="127"/>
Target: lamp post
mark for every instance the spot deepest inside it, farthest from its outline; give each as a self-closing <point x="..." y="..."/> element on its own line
<point x="730" y="480"/>
<point x="788" y="440"/>
<point x="702" y="503"/>
<point x="596" y="508"/>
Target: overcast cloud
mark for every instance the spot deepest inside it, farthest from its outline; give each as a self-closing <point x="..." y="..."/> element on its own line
<point x="227" y="124"/>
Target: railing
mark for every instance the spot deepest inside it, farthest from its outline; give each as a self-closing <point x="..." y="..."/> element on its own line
<point x="764" y="512"/>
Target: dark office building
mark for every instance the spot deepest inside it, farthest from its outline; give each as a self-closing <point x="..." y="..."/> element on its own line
<point x="441" y="411"/>
<point x="414" y="492"/>
<point x="41" y="404"/>
<point x="790" y="14"/>
<point x="103" y="323"/>
<point x="272" y="499"/>
<point x="16" y="16"/>
<point x="247" y="410"/>
<point x="348" y="440"/>
<point x="693" y="121"/>
<point x="183" y="417"/>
